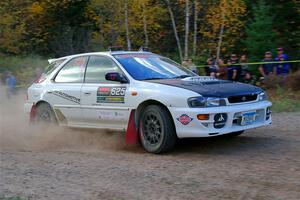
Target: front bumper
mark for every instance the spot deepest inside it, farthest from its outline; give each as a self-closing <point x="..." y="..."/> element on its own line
<point x="205" y="128"/>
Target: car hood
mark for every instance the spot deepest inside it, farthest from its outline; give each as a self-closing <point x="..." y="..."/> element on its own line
<point x="211" y="87"/>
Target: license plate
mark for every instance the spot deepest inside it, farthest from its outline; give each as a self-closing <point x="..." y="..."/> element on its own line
<point x="248" y="118"/>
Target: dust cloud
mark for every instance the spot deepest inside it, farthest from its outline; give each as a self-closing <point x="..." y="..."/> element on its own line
<point x="16" y="133"/>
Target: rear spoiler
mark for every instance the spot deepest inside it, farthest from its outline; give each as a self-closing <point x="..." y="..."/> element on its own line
<point x="52" y="60"/>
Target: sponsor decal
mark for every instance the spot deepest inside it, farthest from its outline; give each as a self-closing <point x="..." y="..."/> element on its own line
<point x="185" y="119"/>
<point x="220" y="120"/>
<point x="113" y="115"/>
<point x="111" y="94"/>
<point x="66" y="96"/>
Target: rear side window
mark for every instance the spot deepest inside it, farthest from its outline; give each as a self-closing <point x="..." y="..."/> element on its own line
<point x="52" y="66"/>
<point x="97" y="67"/>
<point x="73" y="71"/>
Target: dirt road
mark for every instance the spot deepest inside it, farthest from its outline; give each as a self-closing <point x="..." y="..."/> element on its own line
<point x="70" y="164"/>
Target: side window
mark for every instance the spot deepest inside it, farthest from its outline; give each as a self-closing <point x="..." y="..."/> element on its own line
<point x="72" y="72"/>
<point x="97" y="67"/>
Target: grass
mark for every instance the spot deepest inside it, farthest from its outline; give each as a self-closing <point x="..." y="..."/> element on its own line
<point x="284" y="100"/>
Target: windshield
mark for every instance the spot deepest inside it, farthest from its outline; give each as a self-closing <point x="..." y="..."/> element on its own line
<point x="150" y="66"/>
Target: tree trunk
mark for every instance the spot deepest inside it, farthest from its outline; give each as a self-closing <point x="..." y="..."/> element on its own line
<point x="186" y="39"/>
<point x="221" y="31"/>
<point x="146" y="43"/>
<point x="195" y="27"/>
<point x="220" y="41"/>
<point x="174" y="29"/>
<point x="126" y="25"/>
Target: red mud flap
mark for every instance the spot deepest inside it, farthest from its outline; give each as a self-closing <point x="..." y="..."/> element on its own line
<point x="131" y="136"/>
<point x="32" y="114"/>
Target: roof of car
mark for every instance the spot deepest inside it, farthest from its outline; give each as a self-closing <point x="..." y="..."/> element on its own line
<point x="100" y="53"/>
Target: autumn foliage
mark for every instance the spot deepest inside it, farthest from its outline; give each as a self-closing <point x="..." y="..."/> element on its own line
<point x="62" y="27"/>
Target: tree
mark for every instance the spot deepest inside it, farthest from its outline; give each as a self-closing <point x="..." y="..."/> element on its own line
<point x="174" y="29"/>
<point x="187" y="25"/>
<point x="196" y="5"/>
<point x="127" y="25"/>
<point x="223" y="24"/>
<point x="260" y="35"/>
<point x="145" y="25"/>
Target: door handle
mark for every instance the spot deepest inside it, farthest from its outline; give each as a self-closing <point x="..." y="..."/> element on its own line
<point x="87" y="93"/>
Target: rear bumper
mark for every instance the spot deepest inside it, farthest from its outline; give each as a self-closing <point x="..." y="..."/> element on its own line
<point x="205" y="128"/>
<point x="28" y="107"/>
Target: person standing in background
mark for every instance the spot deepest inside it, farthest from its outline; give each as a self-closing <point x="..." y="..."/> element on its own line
<point x="246" y="76"/>
<point x="234" y="69"/>
<point x="222" y="71"/>
<point x="10" y="82"/>
<point x="191" y="66"/>
<point x="268" y="68"/>
<point x="210" y="69"/>
<point x="282" y="69"/>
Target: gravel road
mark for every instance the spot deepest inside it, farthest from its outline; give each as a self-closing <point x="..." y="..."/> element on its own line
<point x="56" y="163"/>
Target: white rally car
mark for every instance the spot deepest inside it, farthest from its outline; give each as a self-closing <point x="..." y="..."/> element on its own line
<point x="110" y="90"/>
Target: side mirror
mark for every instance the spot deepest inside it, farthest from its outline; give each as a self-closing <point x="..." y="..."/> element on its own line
<point x="115" y="76"/>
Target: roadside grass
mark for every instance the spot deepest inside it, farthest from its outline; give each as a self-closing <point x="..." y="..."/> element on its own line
<point x="284" y="100"/>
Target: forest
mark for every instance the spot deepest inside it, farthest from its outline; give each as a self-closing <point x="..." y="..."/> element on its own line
<point x="180" y="29"/>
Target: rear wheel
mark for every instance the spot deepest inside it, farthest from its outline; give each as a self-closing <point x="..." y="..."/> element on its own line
<point x="45" y="114"/>
<point x="156" y="129"/>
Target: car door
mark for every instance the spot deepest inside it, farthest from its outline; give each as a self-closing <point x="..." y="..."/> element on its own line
<point x="65" y="91"/>
<point x="104" y="103"/>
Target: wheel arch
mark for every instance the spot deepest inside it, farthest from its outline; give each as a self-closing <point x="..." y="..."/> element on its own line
<point x="34" y="108"/>
<point x="146" y="103"/>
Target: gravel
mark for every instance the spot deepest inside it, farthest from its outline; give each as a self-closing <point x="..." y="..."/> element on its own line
<point x="58" y="163"/>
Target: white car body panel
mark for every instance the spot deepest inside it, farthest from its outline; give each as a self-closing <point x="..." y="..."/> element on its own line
<point x="75" y="105"/>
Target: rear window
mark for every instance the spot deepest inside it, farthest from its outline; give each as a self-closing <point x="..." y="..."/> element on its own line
<point x="42" y="75"/>
<point x="52" y="66"/>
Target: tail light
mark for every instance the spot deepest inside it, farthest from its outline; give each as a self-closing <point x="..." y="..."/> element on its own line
<point x="40" y="79"/>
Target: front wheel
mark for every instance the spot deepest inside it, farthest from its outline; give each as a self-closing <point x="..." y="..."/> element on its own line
<point x="156" y="129"/>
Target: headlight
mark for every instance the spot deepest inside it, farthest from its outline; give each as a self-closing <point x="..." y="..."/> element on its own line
<point x="262" y="96"/>
<point x="200" y="102"/>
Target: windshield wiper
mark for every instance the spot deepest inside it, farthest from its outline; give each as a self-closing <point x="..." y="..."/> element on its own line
<point x="182" y="76"/>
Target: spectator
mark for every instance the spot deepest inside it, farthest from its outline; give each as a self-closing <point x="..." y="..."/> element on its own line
<point x="282" y="69"/>
<point x="233" y="69"/>
<point x="267" y="69"/>
<point x="184" y="63"/>
<point x="222" y="71"/>
<point x="192" y="66"/>
<point x="210" y="69"/>
<point x="10" y="82"/>
<point x="245" y="73"/>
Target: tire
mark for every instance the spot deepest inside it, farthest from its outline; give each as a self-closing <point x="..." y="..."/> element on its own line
<point x="45" y="114"/>
<point x="156" y="130"/>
